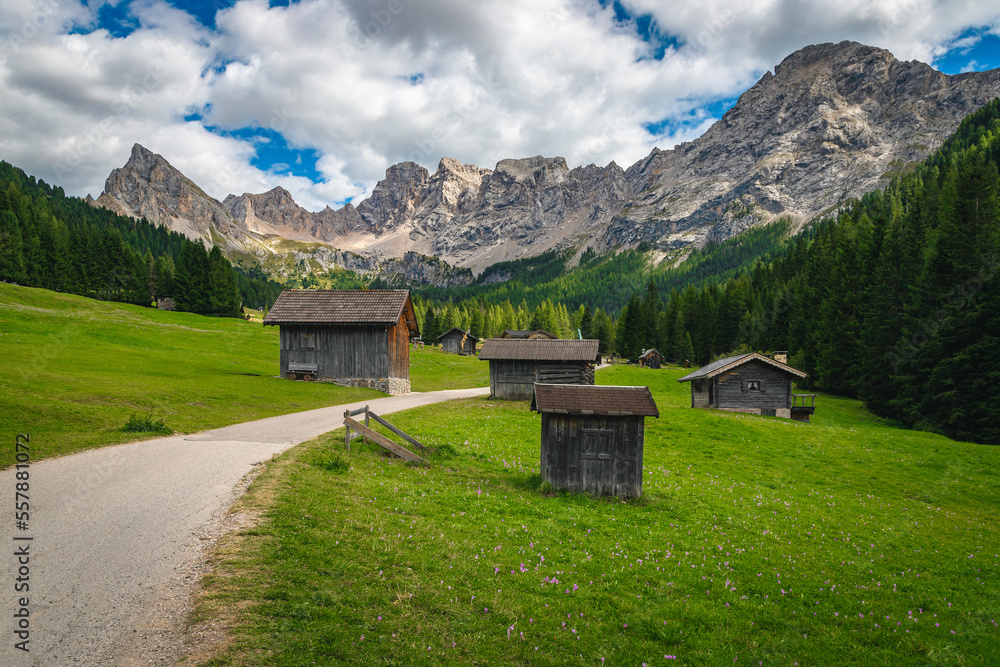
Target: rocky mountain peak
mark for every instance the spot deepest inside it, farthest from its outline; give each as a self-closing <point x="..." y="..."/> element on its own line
<point x="830" y="123"/>
<point x="539" y="170"/>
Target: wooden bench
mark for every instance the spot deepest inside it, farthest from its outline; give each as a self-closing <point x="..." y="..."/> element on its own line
<point x="302" y="371"/>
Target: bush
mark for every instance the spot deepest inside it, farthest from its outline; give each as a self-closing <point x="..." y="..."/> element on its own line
<point x="145" y="424"/>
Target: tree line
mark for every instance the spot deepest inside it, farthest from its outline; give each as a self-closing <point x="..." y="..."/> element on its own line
<point x="64" y="244"/>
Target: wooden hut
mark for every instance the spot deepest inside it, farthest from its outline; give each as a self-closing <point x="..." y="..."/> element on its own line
<point x="650" y="359"/>
<point x="458" y="341"/>
<point x="528" y="335"/>
<point x="515" y="365"/>
<point x="356" y="338"/>
<point x="751" y="383"/>
<point x="592" y="437"/>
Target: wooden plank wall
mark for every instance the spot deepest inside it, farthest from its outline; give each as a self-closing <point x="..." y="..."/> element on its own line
<point x="451" y="344"/>
<point x="342" y="352"/>
<point x="777" y="386"/>
<point x="399" y="350"/>
<point x="593" y="454"/>
<point x="515" y="380"/>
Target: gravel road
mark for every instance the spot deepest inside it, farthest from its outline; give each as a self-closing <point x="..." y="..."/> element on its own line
<point x="110" y="526"/>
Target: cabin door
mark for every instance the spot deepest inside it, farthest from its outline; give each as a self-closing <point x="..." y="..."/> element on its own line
<point x="598" y="460"/>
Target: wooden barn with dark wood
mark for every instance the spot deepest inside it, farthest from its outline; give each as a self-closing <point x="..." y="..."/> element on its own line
<point x="458" y="341"/>
<point x="528" y="335"/>
<point x="515" y="365"/>
<point x="592" y="437"/>
<point x="356" y="338"/>
<point x="751" y="383"/>
<point x="650" y="359"/>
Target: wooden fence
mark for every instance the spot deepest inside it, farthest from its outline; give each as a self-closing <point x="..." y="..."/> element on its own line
<point x="355" y="429"/>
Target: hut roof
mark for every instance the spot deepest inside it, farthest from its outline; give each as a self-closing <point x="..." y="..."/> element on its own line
<point x="537" y="333"/>
<point x="649" y="353"/>
<point x="539" y="349"/>
<point x="579" y="399"/>
<point x="722" y="365"/>
<point x="342" y="307"/>
<point x="454" y="330"/>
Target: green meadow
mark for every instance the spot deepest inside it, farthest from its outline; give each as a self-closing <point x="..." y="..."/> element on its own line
<point x="74" y="370"/>
<point x="757" y="541"/>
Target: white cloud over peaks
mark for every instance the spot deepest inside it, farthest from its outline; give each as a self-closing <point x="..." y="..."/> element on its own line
<point x="368" y="83"/>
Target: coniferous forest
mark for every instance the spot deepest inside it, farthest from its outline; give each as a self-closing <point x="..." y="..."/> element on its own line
<point x="64" y="244"/>
<point x="895" y="300"/>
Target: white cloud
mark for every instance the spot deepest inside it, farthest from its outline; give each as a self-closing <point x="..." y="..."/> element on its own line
<point x="367" y="83"/>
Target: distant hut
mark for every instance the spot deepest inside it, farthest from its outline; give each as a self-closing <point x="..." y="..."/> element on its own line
<point x="515" y="365"/>
<point x="750" y="383"/>
<point x="357" y="338"/>
<point x="165" y="303"/>
<point x="458" y="341"/>
<point x="592" y="437"/>
<point x="650" y="359"/>
<point x="528" y="335"/>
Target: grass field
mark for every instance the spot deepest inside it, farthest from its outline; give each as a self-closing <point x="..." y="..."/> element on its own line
<point x="73" y="370"/>
<point x="757" y="541"/>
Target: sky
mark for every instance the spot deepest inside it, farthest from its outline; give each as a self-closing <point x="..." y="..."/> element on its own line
<point x="321" y="96"/>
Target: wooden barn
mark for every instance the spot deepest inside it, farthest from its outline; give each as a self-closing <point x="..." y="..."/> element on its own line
<point x="650" y="359"/>
<point x="515" y="365"/>
<point x="458" y="341"/>
<point x="592" y="437"/>
<point x="528" y="335"/>
<point x="356" y="338"/>
<point x="751" y="383"/>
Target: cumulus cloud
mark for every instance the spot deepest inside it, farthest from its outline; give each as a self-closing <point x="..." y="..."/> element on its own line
<point x="368" y="83"/>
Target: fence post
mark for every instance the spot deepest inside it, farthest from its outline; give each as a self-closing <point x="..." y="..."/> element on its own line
<point x="347" y="431"/>
<point x="366" y="423"/>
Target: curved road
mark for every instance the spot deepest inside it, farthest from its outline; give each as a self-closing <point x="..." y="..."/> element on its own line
<point x="110" y="525"/>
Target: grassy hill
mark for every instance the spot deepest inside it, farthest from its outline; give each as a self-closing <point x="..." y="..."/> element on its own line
<point x="757" y="540"/>
<point x="73" y="370"/>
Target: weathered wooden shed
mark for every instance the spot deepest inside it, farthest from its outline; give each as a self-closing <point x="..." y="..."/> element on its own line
<point x="751" y="383"/>
<point x="458" y="341"/>
<point x="650" y="359"/>
<point x="356" y="338"/>
<point x="592" y="437"/>
<point x="528" y="335"/>
<point x="515" y="365"/>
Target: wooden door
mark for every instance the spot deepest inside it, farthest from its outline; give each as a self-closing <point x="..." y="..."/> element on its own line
<point x="598" y="460"/>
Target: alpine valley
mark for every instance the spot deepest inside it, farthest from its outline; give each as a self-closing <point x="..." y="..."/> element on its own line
<point x="832" y="122"/>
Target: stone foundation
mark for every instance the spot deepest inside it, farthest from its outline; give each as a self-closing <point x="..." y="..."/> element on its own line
<point x="392" y="386"/>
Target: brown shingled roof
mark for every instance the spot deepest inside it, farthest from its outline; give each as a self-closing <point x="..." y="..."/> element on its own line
<point x="539" y="349"/>
<point x="579" y="399"/>
<point x="342" y="307"/>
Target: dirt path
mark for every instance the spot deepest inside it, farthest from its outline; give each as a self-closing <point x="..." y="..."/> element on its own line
<point x="118" y="531"/>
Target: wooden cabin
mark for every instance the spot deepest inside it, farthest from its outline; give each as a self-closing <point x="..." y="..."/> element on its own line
<point x="458" y="341"/>
<point x="751" y="383"/>
<point x="355" y="338"/>
<point x="165" y="303"/>
<point x="650" y="359"/>
<point x="515" y="364"/>
<point x="528" y="335"/>
<point x="592" y="437"/>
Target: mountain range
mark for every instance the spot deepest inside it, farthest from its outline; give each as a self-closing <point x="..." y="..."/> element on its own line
<point x="829" y="124"/>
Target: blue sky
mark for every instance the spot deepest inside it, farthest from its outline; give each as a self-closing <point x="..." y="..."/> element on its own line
<point x="320" y="96"/>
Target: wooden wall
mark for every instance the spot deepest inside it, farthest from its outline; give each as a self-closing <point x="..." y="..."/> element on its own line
<point x="593" y="454"/>
<point x="344" y="352"/>
<point x="700" y="393"/>
<point x="515" y="380"/>
<point x="776" y="387"/>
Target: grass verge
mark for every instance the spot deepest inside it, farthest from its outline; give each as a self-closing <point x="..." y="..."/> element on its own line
<point x="757" y="540"/>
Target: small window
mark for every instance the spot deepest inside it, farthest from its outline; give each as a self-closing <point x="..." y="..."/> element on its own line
<point x="755" y="386"/>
